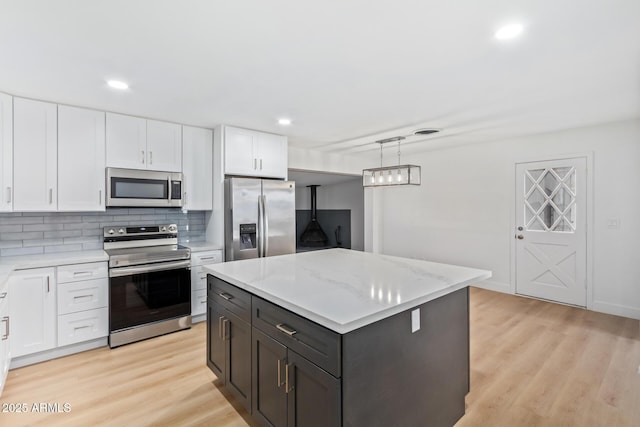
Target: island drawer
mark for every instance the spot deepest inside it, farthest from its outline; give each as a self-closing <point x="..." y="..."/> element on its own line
<point x="312" y="341"/>
<point x="230" y="297"/>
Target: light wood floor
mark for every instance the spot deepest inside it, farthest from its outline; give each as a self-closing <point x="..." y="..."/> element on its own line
<point x="532" y="363"/>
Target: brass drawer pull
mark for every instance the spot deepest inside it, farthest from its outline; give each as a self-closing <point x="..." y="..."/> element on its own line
<point x="286" y="329"/>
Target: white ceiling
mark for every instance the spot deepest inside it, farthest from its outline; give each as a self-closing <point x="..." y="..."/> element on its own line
<point x="346" y="72"/>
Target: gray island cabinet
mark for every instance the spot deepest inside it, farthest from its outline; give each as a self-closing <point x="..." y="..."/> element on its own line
<point x="342" y="338"/>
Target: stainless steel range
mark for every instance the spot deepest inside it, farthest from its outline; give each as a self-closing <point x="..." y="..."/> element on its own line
<point x="149" y="282"/>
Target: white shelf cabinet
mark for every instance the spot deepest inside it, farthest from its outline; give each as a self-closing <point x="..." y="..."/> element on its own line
<point x="35" y="166"/>
<point x="81" y="159"/>
<point x="199" y="279"/>
<point x="6" y="153"/>
<point x="136" y="143"/>
<point x="32" y="311"/>
<point x="253" y="153"/>
<point x="197" y="168"/>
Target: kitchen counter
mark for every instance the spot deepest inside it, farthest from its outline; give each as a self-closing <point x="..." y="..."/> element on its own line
<point x="10" y="263"/>
<point x="343" y="289"/>
<point x="202" y="246"/>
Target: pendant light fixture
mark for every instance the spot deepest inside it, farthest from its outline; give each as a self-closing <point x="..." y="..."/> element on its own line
<point x="391" y="175"/>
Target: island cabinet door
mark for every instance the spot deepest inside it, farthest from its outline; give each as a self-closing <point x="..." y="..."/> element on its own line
<point x="215" y="344"/>
<point x="314" y="398"/>
<point x="269" y="404"/>
<point x="237" y="336"/>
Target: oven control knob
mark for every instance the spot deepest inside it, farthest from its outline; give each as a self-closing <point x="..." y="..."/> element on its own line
<point x="111" y="231"/>
<point x="121" y="231"/>
<point x="163" y="229"/>
<point x="172" y="228"/>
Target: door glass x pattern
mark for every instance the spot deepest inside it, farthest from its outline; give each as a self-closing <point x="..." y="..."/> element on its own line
<point x="550" y="199"/>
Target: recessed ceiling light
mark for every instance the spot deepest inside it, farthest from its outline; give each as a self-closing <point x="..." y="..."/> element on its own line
<point x="509" y="31"/>
<point x="116" y="84"/>
<point x="284" y="122"/>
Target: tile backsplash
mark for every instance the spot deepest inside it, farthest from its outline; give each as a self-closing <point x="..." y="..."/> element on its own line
<point x="27" y="233"/>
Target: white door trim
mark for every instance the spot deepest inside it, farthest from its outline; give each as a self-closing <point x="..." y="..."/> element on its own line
<point x="590" y="172"/>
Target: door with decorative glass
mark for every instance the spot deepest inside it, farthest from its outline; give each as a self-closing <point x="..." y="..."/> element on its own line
<point x="551" y="230"/>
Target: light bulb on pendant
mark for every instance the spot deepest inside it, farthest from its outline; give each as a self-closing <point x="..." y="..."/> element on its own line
<point x="389" y="177"/>
<point x="381" y="178"/>
<point x="399" y="177"/>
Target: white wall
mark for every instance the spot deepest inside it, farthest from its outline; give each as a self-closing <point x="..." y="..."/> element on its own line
<point x="344" y="195"/>
<point x="463" y="211"/>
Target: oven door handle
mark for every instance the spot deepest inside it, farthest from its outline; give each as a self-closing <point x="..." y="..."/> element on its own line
<point x="148" y="268"/>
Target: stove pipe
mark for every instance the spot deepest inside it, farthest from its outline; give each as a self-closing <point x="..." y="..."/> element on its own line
<point x="313" y="235"/>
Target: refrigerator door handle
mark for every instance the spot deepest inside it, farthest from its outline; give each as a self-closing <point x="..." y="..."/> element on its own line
<point x="265" y="228"/>
<point x="260" y="227"/>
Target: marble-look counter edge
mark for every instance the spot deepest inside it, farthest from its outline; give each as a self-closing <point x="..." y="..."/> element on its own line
<point x="343" y="328"/>
<point x="202" y="246"/>
<point x="23" y="262"/>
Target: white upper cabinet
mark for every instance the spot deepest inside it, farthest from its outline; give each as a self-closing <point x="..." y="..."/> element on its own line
<point x="126" y="142"/>
<point x="35" y="140"/>
<point x="164" y="146"/>
<point x="6" y="153"/>
<point x="136" y="143"/>
<point x="197" y="168"/>
<point x="252" y="153"/>
<point x="81" y="159"/>
<point x="272" y="155"/>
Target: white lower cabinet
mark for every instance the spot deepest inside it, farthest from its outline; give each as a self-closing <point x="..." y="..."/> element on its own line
<point x="82" y="326"/>
<point x="83" y="298"/>
<point x="46" y="313"/>
<point x="5" y="355"/>
<point x="32" y="311"/>
<point x="199" y="279"/>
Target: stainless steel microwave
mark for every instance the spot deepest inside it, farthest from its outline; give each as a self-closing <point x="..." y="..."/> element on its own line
<point x="142" y="188"/>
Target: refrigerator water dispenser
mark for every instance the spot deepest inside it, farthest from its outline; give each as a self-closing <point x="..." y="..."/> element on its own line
<point x="247" y="236"/>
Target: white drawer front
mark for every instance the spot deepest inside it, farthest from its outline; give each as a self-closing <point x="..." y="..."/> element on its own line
<point x="198" y="302"/>
<point x="84" y="326"/>
<point x="79" y="272"/>
<point x="81" y="296"/>
<point x="208" y="257"/>
<point x="198" y="278"/>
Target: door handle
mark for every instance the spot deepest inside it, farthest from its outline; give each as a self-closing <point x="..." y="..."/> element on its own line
<point x="220" y="321"/>
<point x="279" y="374"/>
<point x="48" y="287"/>
<point x="260" y="164"/>
<point x="287" y="381"/>
<point x="519" y="237"/>
<point x="150" y="157"/>
<point x="50" y="195"/>
<point x="142" y="159"/>
<point x="6" y="326"/>
<point x="225" y="335"/>
<point x="265" y="222"/>
<point x="8" y="194"/>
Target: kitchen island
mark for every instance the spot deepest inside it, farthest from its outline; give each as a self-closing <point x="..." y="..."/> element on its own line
<point x="340" y="337"/>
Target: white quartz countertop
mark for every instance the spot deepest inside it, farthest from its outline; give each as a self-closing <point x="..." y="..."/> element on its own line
<point x="342" y="289"/>
<point x="202" y="246"/>
<point x="11" y="263"/>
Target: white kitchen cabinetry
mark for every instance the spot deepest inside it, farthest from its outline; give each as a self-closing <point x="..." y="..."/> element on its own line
<point x="164" y="146"/>
<point x="137" y="143"/>
<point x="199" y="279"/>
<point x="32" y="311"/>
<point x="5" y="355"/>
<point x="83" y="298"/>
<point x="35" y="140"/>
<point x="252" y="153"/>
<point x="6" y="153"/>
<point x="197" y="168"/>
<point x="81" y="159"/>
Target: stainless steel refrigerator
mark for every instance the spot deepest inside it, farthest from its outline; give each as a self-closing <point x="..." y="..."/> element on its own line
<point x="260" y="218"/>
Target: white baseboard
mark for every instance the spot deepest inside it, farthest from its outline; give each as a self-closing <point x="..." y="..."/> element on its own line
<point x="492" y="285"/>
<point x="616" y="309"/>
<point x="30" y="359"/>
